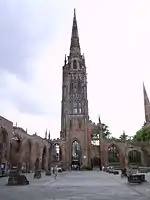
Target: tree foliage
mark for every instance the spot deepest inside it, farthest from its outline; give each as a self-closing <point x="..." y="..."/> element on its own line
<point x="143" y="134"/>
<point x="105" y="131"/>
<point x="123" y="137"/>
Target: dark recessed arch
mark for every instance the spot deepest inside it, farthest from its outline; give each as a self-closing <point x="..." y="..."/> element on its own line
<point x="134" y="157"/>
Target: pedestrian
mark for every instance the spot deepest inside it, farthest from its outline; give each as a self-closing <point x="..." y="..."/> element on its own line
<point x="55" y="172"/>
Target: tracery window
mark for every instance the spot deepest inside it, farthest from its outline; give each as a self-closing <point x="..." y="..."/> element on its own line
<point x="134" y="157"/>
<point x="113" y="154"/>
<point x="75" y="108"/>
<point x="76" y="151"/>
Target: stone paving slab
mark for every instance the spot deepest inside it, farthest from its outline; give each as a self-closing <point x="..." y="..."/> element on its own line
<point x="94" y="185"/>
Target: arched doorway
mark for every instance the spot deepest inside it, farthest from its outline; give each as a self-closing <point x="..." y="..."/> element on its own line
<point x="44" y="159"/>
<point x="76" y="155"/>
<point x="56" y="153"/>
<point x="134" y="157"/>
<point x="113" y="155"/>
<point x="96" y="162"/>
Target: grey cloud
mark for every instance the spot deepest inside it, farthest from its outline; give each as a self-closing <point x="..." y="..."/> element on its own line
<point x="28" y="105"/>
<point x="21" y="95"/>
<point x="23" y="29"/>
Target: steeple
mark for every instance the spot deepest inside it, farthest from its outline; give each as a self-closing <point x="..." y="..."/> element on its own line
<point x="99" y="120"/>
<point x="46" y="134"/>
<point x="65" y="61"/>
<point x="75" y="45"/>
<point x="49" y="135"/>
<point x="146" y="105"/>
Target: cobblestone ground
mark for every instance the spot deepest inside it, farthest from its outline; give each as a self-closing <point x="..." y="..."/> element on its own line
<point x="93" y="185"/>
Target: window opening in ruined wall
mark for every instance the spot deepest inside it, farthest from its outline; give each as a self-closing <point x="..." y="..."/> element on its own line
<point x="113" y="154"/>
<point x="134" y="157"/>
<point x="76" y="150"/>
<point x="74" y="64"/>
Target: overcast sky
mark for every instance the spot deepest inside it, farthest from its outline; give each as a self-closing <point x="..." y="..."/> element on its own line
<point x="35" y="36"/>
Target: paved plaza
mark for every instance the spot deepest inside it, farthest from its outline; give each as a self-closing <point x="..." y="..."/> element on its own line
<point x="93" y="185"/>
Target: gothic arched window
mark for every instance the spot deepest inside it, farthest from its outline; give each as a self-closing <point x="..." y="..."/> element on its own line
<point x="76" y="151"/>
<point x="74" y="64"/>
<point x="75" y="110"/>
<point x="134" y="157"/>
<point x="113" y="154"/>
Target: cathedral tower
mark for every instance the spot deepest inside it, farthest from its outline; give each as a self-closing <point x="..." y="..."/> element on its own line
<point x="74" y="111"/>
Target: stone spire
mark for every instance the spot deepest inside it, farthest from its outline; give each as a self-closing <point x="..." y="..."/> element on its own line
<point x="49" y="135"/>
<point x="75" y="45"/>
<point x="65" y="61"/>
<point x="146" y="105"/>
<point x="99" y="120"/>
<point x="46" y="134"/>
<point x="100" y="128"/>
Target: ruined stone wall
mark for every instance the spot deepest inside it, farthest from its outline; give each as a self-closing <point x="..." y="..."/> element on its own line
<point x="33" y="150"/>
<point x="6" y="129"/>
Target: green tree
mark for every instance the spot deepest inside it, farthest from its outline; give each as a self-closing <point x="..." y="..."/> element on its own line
<point x="123" y="137"/>
<point x="143" y="134"/>
<point x="105" y="131"/>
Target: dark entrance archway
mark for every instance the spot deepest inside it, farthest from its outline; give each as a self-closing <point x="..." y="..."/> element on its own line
<point x="76" y="155"/>
<point x="56" y="153"/>
<point x="96" y="163"/>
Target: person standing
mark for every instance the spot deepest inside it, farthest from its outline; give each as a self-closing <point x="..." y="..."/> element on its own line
<point x="55" y="172"/>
